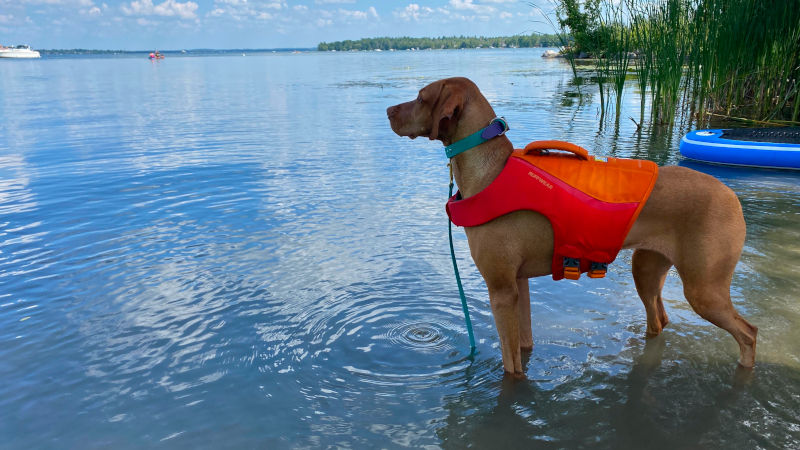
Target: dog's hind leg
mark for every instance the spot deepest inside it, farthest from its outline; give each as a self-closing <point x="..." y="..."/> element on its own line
<point x="649" y="272"/>
<point x="524" y="313"/>
<point x="706" y="265"/>
<point x="712" y="301"/>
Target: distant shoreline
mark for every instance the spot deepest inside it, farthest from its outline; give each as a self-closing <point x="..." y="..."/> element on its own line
<point x="443" y="43"/>
<point x="55" y="53"/>
<point x="366" y="44"/>
<point x="202" y="51"/>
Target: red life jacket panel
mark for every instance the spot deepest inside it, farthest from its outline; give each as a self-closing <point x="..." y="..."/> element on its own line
<point x="591" y="202"/>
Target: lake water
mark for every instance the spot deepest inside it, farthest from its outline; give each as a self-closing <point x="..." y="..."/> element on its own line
<point x="230" y="251"/>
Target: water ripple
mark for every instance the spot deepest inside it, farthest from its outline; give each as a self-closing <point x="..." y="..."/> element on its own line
<point x="252" y="258"/>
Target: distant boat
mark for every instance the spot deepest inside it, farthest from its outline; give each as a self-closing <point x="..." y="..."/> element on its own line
<point x="551" y="54"/>
<point x="156" y="55"/>
<point x="20" y="51"/>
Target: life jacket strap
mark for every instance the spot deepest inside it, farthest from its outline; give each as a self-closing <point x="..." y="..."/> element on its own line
<point x="572" y="268"/>
<point x="598" y="270"/>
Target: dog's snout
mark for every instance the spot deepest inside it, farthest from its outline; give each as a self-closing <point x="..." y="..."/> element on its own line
<point x="392" y="110"/>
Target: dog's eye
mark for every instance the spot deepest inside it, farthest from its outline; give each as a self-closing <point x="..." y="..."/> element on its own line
<point x="419" y="99"/>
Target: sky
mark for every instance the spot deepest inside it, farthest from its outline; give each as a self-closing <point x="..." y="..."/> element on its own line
<point x="221" y="24"/>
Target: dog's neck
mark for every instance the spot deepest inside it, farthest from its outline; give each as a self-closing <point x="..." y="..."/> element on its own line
<point x="477" y="167"/>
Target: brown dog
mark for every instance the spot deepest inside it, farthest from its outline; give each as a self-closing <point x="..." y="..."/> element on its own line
<point x="691" y="221"/>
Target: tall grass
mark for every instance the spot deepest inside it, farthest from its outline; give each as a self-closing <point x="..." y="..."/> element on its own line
<point x="737" y="58"/>
<point x="562" y="33"/>
<point x="612" y="65"/>
<point x="745" y="58"/>
<point x="662" y="45"/>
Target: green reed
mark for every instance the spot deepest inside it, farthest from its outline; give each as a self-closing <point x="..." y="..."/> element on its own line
<point x="613" y="63"/>
<point x="664" y="48"/>
<point x="563" y="34"/>
<point x="746" y="58"/>
<point x="699" y="57"/>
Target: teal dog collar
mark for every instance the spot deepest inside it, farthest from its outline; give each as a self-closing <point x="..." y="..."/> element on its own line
<point x="497" y="127"/>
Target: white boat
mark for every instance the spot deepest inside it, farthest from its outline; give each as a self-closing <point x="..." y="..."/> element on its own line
<point x="20" y="51"/>
<point x="551" y="54"/>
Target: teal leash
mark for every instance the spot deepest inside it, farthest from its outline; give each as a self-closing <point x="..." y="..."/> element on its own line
<point x="458" y="277"/>
<point x="497" y="127"/>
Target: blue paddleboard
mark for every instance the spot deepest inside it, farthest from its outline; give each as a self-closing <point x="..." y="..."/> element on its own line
<point x="777" y="148"/>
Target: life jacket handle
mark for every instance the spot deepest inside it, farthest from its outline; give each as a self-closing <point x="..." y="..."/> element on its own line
<point x="538" y="146"/>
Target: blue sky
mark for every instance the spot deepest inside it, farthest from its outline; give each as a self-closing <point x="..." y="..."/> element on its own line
<point x="178" y="24"/>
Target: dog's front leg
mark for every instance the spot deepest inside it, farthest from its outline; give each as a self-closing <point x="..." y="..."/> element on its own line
<point x="524" y="314"/>
<point x="504" y="300"/>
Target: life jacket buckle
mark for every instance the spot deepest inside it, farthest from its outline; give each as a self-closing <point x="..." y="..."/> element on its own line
<point x="598" y="270"/>
<point x="572" y="268"/>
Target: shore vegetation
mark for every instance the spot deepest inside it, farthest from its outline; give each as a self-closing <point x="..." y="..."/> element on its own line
<point x="409" y="43"/>
<point x="700" y="58"/>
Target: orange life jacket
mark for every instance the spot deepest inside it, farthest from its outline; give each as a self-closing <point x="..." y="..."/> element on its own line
<point x="591" y="202"/>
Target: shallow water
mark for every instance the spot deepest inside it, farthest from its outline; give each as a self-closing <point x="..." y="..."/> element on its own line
<point x="237" y="251"/>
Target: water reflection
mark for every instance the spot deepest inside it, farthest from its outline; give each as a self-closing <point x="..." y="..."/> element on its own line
<point x="653" y="402"/>
<point x="252" y="258"/>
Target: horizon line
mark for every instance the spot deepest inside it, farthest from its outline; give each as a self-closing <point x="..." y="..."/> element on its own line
<point x="176" y="50"/>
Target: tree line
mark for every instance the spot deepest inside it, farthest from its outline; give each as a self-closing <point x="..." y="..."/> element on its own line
<point x="406" y="43"/>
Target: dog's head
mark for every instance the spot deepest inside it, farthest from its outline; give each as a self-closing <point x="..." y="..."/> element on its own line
<point x="436" y="111"/>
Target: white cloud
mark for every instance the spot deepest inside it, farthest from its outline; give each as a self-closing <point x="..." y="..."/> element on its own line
<point x="346" y="15"/>
<point x="470" y="6"/>
<point x="352" y="14"/>
<point x="463" y="4"/>
<point x="413" y="12"/>
<point x="65" y="3"/>
<point x="47" y="2"/>
<point x="59" y="11"/>
<point x="275" y="5"/>
<point x="169" y="8"/>
<point x="6" y="18"/>
<point x="241" y="10"/>
<point x="360" y="15"/>
<point x="328" y="2"/>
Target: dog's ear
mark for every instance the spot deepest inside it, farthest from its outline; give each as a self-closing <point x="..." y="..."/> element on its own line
<point x="446" y="111"/>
